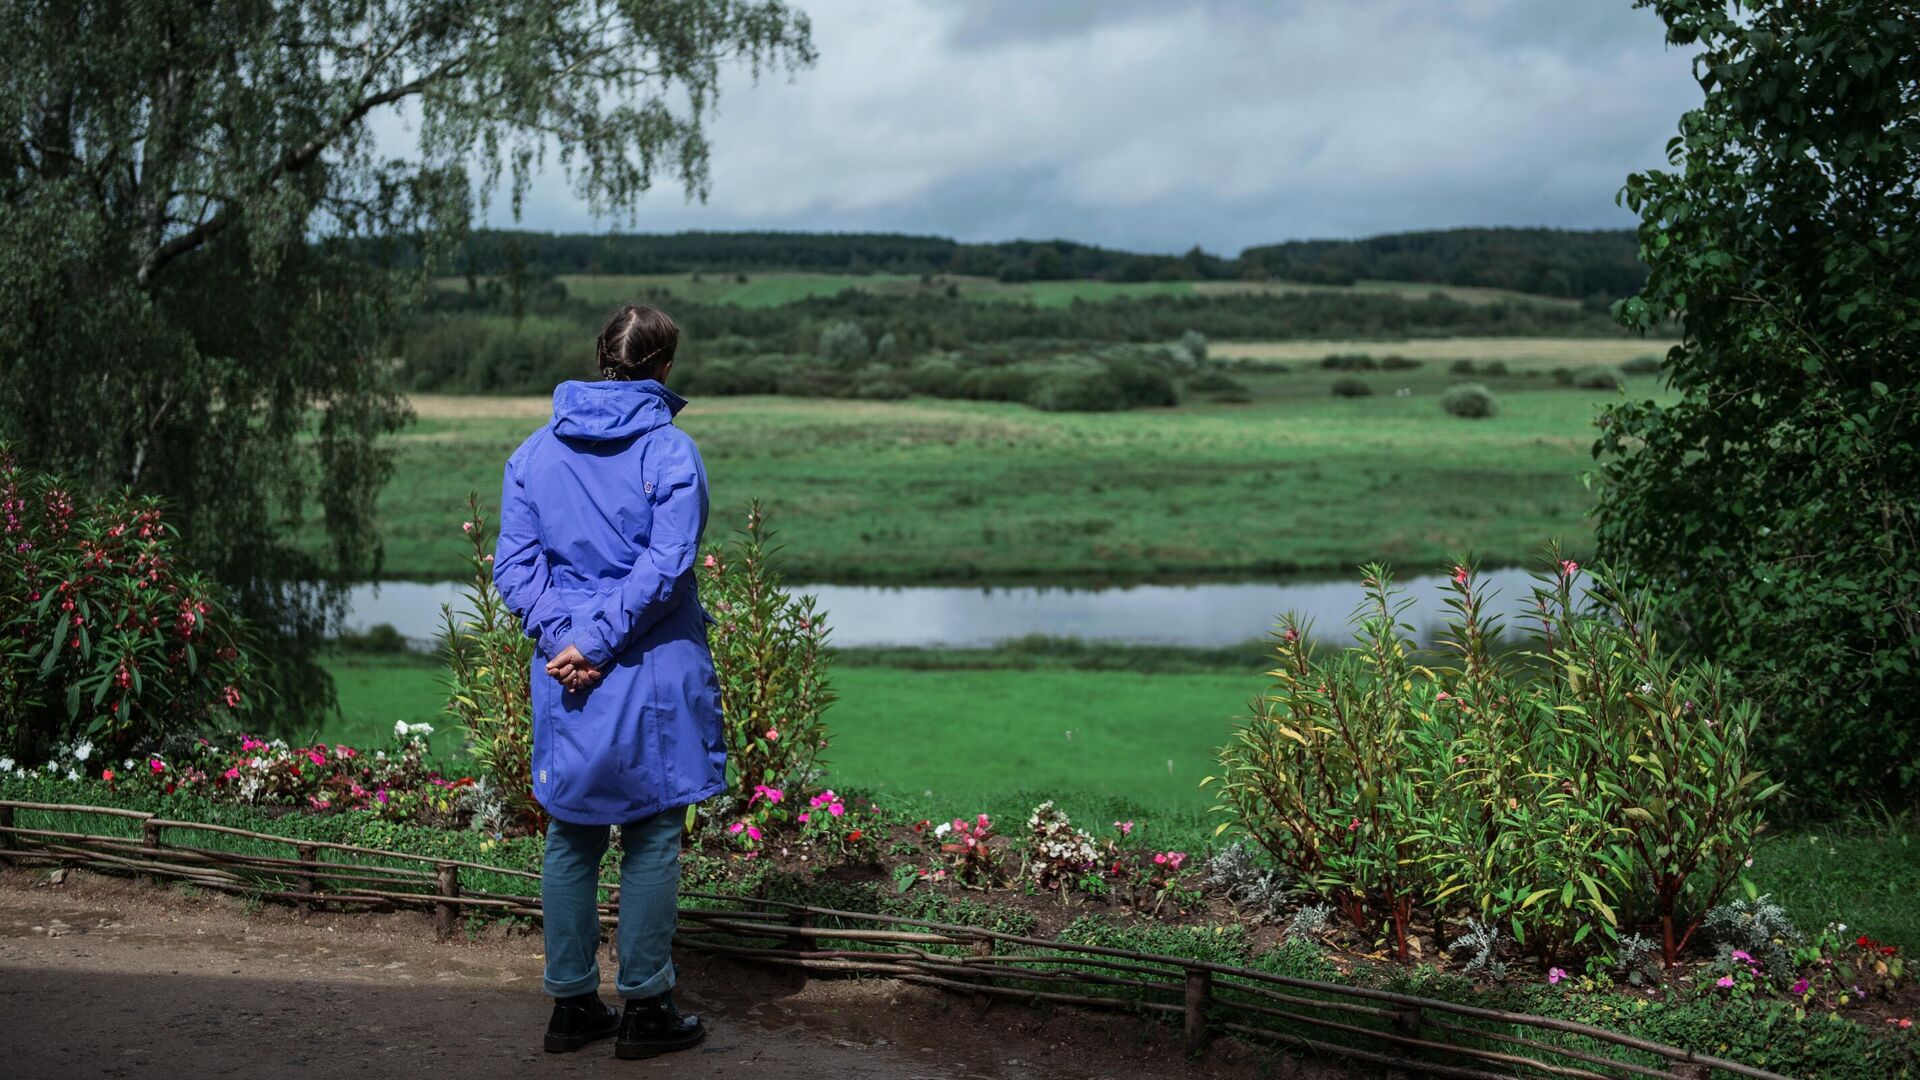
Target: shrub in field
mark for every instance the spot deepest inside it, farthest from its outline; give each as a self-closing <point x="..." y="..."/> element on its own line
<point x="489" y="662"/>
<point x="1213" y="380"/>
<point x="1193" y="344"/>
<point x="1495" y="368"/>
<point x="1641" y="365"/>
<point x="844" y="343"/>
<point x="878" y="382"/>
<point x="1348" y="386"/>
<point x="1462" y="367"/>
<point x="105" y="637"/>
<point x="1349" y="362"/>
<point x="769" y="652"/>
<point x="935" y="376"/>
<point x="1057" y="852"/>
<point x="1595" y="378"/>
<point x="1396" y="362"/>
<point x="1572" y="794"/>
<point x="1077" y="391"/>
<point x="1470" y="400"/>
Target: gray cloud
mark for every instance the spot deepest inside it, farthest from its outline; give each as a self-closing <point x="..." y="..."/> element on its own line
<point x="1156" y="126"/>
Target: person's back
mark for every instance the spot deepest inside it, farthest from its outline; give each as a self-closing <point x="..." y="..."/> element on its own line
<point x="601" y="513"/>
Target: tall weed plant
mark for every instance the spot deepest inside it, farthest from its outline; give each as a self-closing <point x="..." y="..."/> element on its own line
<point x="1576" y="791"/>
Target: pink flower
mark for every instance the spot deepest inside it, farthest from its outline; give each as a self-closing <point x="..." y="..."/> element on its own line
<point x="232" y="774"/>
<point x="762" y="791"/>
<point x="983" y="823"/>
<point x="1799" y="987"/>
<point x="753" y="832"/>
<point x="736" y="827"/>
<point x="1352" y="825"/>
<point x="836" y="809"/>
<point x="316" y="757"/>
<point x="1554" y="975"/>
<point x="1174" y="859"/>
<point x="1903" y="1022"/>
<point x="1724" y="982"/>
<point x="804" y="816"/>
<point x="486" y="558"/>
<point x="381" y="795"/>
<point x="1125" y="827"/>
<point x="711" y="562"/>
<point x="1459" y="575"/>
<point x="156" y="765"/>
<point x="1161" y="858"/>
<point x="1742" y="954"/>
<point x="772" y="735"/>
<point x="466" y="527"/>
<point x="1443" y="696"/>
<point x="1568" y="568"/>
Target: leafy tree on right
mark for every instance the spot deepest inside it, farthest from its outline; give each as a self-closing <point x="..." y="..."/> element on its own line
<point x="1775" y="501"/>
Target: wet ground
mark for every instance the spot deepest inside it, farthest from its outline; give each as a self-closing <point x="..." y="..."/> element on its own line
<point x="104" y="976"/>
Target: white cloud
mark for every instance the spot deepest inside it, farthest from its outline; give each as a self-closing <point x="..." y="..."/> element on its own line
<point x="1157" y="126"/>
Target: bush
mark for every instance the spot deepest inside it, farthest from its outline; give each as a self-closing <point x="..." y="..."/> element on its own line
<point x="769" y="652"/>
<point x="1396" y="362"/>
<point x="380" y="638"/>
<point x="1348" y="386"/>
<point x="489" y="665"/>
<point x="1470" y="400"/>
<point x="1077" y="391"/>
<point x="106" y="636"/>
<point x="1641" y="365"/>
<point x="1461" y="367"/>
<point x="1596" y="378"/>
<point x="877" y="382"/>
<point x="1349" y="362"/>
<point x="1543" y="796"/>
<point x="935" y="376"/>
<point x="1494" y="367"/>
<point x="844" y="343"/>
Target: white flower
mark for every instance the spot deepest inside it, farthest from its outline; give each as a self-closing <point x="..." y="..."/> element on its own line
<point x="127" y="764"/>
<point x="73" y="774"/>
<point x="942" y="829"/>
<point x="400" y="729"/>
<point x="423" y="729"/>
<point x="6" y="764"/>
<point x="83" y="751"/>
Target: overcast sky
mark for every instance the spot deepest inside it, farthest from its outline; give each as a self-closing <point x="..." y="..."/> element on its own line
<point x="1156" y="126"/>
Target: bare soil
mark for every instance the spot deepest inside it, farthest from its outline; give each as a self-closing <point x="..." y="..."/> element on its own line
<point x="110" y="977"/>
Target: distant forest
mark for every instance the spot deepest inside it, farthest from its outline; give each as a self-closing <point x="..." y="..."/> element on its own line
<point x="1597" y="266"/>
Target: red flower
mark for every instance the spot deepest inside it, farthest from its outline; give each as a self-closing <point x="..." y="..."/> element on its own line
<point x="854" y="835"/>
<point x="107" y="775"/>
<point x="1864" y="941"/>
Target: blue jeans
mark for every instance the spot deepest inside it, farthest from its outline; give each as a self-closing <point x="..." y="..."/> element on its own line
<point x="649" y="904"/>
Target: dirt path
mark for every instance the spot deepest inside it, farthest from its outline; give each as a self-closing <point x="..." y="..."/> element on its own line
<point x="108" y="977"/>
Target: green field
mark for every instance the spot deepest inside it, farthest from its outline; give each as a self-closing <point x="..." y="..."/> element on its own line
<point x="773" y="289"/>
<point x="996" y="741"/>
<point x="931" y="490"/>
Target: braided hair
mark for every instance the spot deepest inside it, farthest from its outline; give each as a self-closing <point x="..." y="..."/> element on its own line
<point x="638" y="343"/>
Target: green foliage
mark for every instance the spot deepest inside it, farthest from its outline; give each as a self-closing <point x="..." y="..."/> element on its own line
<point x="1777" y="501"/>
<point x="198" y="284"/>
<point x="489" y="664"/>
<point x="844" y="344"/>
<point x="1596" y="378"/>
<point x="1641" y="365"/>
<point x="769" y="652"/>
<point x="107" y="636"/>
<point x="1076" y="391"/>
<point x="1470" y="400"/>
<point x="1596" y="788"/>
<point x="1347" y="386"/>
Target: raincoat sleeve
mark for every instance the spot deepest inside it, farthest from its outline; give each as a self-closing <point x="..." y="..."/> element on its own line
<point x="662" y="577"/>
<point x="520" y="569"/>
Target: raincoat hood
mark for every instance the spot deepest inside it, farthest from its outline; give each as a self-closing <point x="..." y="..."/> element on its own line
<point x="617" y="409"/>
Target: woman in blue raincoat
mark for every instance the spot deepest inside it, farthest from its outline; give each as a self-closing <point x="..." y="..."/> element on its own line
<point x="601" y="514"/>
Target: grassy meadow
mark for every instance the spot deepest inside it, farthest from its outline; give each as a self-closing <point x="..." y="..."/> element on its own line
<point x="926" y="490"/>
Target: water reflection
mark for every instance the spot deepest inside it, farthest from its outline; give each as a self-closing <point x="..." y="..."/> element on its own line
<point x="966" y="616"/>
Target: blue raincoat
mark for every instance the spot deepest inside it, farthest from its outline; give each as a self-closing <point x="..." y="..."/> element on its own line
<point x="601" y="514"/>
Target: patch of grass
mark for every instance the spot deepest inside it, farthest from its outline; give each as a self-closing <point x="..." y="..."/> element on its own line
<point x="376" y="690"/>
<point x="925" y="491"/>
<point x="1862" y="873"/>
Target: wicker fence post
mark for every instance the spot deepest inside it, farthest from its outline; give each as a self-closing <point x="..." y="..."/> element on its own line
<point x="6" y="822"/>
<point x="308" y="880"/>
<point x="443" y="914"/>
<point x="802" y="942"/>
<point x="150" y="840"/>
<point x="1199" y="999"/>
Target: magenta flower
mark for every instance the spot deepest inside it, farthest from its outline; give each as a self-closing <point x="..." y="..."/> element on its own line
<point x="1459" y="575"/>
<point x="736" y="827"/>
<point x="836" y="809"/>
<point x="1724" y="982"/>
<point x="1799" y="987"/>
<point x="753" y="832"/>
<point x="1125" y="827"/>
<point x="804" y="816"/>
<point x="1555" y="975"/>
<point x="1568" y="568"/>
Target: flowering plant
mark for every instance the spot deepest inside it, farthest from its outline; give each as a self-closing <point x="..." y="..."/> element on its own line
<point x="1839" y="967"/>
<point x="396" y="782"/>
<point x="104" y="635"/>
<point x="489" y="665"/>
<point x="1057" y="852"/>
<point x="769" y="655"/>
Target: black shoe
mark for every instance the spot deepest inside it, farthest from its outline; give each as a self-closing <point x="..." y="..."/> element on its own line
<point x="578" y="1021"/>
<point x="652" y="1026"/>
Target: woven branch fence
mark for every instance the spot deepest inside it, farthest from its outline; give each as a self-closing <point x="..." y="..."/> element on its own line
<point x="1402" y="1032"/>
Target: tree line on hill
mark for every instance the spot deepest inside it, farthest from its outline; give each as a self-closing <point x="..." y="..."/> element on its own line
<point x="1603" y="265"/>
